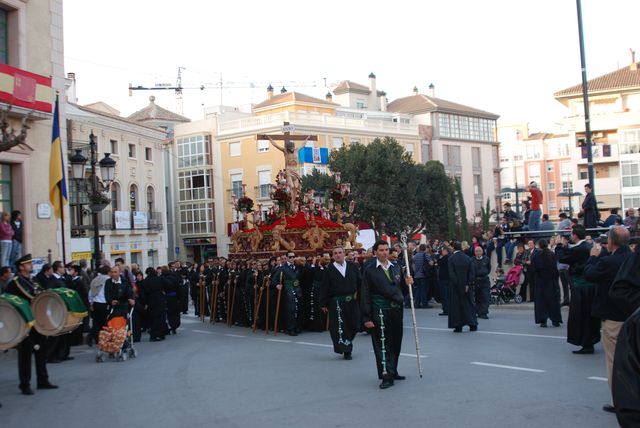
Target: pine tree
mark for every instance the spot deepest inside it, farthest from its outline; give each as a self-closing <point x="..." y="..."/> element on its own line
<point x="451" y="218"/>
<point x="464" y="225"/>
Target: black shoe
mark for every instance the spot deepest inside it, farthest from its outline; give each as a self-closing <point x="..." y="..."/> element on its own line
<point x="398" y="377"/>
<point x="584" y="351"/>
<point x="543" y="324"/>
<point x="173" y="331"/>
<point x="347" y="356"/>
<point x="26" y="390"/>
<point x="555" y="324"/>
<point x="443" y="314"/>
<point x="457" y="330"/>
<point x="484" y="316"/>
<point x="387" y="383"/>
<point x="473" y="328"/>
<point x="292" y="333"/>
<point x="47" y="386"/>
<point x="609" y="408"/>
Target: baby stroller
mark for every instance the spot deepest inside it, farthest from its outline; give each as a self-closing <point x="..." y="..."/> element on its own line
<point x="504" y="289"/>
<point x="115" y="339"/>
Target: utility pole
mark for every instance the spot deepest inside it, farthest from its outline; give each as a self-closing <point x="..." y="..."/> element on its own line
<point x="585" y="100"/>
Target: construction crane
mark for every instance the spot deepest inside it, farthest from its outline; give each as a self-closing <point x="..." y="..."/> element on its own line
<point x="220" y="85"/>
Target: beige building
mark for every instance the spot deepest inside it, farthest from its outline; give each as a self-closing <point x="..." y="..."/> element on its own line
<point x="32" y="69"/>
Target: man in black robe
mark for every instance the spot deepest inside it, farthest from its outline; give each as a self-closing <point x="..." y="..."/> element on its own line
<point x="461" y="303"/>
<point x="173" y="291"/>
<point x="291" y="297"/>
<point x="589" y="211"/>
<point x="583" y="329"/>
<point x="381" y="305"/>
<point x="34" y="343"/>
<point x="626" y="373"/>
<point x="482" y="268"/>
<point x="155" y="303"/>
<point x="315" y="317"/>
<point x="337" y="299"/>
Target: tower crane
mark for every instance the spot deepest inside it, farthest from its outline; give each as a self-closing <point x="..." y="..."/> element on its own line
<point x="220" y="85"/>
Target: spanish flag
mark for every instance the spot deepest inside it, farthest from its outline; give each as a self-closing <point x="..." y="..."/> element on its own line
<point x="57" y="180"/>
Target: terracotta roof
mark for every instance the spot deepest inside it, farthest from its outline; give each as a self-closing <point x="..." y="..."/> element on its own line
<point x="625" y="78"/>
<point x="415" y="104"/>
<point x="71" y="111"/>
<point x="297" y="97"/>
<point x="539" y="136"/>
<point x="349" y="86"/>
<point x="155" y="112"/>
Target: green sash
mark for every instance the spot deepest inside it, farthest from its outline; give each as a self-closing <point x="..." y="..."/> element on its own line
<point x="291" y="283"/>
<point x="379" y="302"/>
<point x="579" y="281"/>
<point x="72" y="300"/>
<point x="345" y="298"/>
<point x="22" y="305"/>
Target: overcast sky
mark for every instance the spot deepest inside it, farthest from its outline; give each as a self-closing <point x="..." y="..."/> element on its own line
<point x="504" y="56"/>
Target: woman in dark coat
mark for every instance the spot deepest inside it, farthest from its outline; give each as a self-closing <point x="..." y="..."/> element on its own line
<point x="153" y="299"/>
<point x="547" y="298"/>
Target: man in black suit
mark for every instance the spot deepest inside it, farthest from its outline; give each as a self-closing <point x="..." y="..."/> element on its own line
<point x="589" y="211"/>
<point x="338" y="291"/>
<point x="287" y="276"/>
<point x="381" y="306"/>
<point x="34" y="343"/>
<point x="461" y="303"/>
<point x="601" y="269"/>
<point x="582" y="328"/>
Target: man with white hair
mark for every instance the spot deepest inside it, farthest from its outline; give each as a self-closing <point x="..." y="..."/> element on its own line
<point x="536" y="212"/>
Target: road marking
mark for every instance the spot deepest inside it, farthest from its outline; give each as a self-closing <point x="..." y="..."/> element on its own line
<point x="499" y="333"/>
<point x="603" y="379"/>
<point x="233" y="335"/>
<point x="202" y="331"/>
<point x="500" y="366"/>
<point x="314" y="344"/>
<point x="411" y="355"/>
<point x="278" y="340"/>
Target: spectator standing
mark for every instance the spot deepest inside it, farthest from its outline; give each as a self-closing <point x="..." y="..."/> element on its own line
<point x="589" y="211"/>
<point x="6" y="240"/>
<point x="536" y="210"/>
<point x="419" y="260"/>
<point x="16" y="244"/>
<point x="631" y="221"/>
<point x="547" y="302"/>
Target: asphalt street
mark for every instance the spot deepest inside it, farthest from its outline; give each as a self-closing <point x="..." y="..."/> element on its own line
<point x="510" y="373"/>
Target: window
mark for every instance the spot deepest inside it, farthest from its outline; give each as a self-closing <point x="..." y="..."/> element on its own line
<point x="4" y="36"/>
<point x="263" y="146"/>
<point x="194" y="185"/>
<point x="549" y="166"/>
<point x="355" y="141"/>
<point x="193" y="151"/>
<point x="360" y="104"/>
<point x="629" y="141"/>
<point x="337" y="143"/>
<point x="552" y="206"/>
<point x="132" y="150"/>
<point x="583" y="175"/>
<point x="567" y="186"/>
<point x="533" y="151"/>
<point x="150" y="198"/>
<point x="630" y="173"/>
<point x="475" y="157"/>
<point x="630" y="202"/>
<point x="196" y="218"/>
<point x="534" y="172"/>
<point x="466" y="128"/>
<point x="147" y="154"/>
<point x="133" y="197"/>
<point x="410" y="148"/>
<point x="264" y="179"/>
<point x="551" y="186"/>
<point x="115" y="196"/>
<point x="477" y="184"/>
<point x="234" y="149"/>
<point x="563" y="149"/>
<point x="451" y="156"/>
<point x="518" y="157"/>
<point x="5" y="188"/>
<point x="495" y="156"/>
<point x="236" y="185"/>
<point x="114" y="146"/>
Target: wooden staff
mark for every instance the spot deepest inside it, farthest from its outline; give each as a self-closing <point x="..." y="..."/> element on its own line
<point x="403" y="237"/>
<point x="255" y="295"/>
<point x="202" y="292"/>
<point x="214" y="299"/>
<point x="275" y="323"/>
<point x="233" y="300"/>
<point x="256" y="308"/>
<point x="266" y="320"/>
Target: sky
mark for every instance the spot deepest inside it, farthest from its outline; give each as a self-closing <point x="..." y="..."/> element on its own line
<point x="503" y="56"/>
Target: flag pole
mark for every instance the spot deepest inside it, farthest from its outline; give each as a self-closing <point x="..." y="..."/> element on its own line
<point x="64" y="249"/>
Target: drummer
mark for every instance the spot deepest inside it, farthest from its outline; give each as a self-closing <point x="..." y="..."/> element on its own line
<point x="34" y="343"/>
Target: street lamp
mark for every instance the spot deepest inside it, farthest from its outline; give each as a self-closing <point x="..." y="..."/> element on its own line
<point x="570" y="195"/>
<point x="98" y="187"/>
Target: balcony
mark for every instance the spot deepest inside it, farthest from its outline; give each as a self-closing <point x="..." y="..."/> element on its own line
<point x="262" y="192"/>
<point x="82" y="222"/>
<point x="235" y="193"/>
<point x="602" y="153"/>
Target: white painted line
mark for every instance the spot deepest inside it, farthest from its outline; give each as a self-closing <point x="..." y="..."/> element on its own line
<point x="498" y="333"/>
<point x="500" y="366"/>
<point x="603" y="379"/>
<point x="314" y="344"/>
<point x="412" y="355"/>
<point x="202" y="331"/>
<point x="278" y="340"/>
<point x="233" y="335"/>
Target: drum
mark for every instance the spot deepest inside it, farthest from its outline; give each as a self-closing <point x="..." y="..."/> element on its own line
<point x="57" y="311"/>
<point x="16" y="320"/>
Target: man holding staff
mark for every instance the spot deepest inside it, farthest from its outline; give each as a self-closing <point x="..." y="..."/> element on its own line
<point x="381" y="306"/>
<point x="338" y="291"/>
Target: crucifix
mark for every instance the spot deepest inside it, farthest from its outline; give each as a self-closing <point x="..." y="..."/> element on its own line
<point x="290" y="156"/>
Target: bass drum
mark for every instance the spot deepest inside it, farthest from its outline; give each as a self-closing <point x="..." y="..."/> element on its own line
<point x="52" y="318"/>
<point x="13" y="326"/>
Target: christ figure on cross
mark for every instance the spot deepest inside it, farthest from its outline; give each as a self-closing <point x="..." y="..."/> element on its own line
<point x="290" y="168"/>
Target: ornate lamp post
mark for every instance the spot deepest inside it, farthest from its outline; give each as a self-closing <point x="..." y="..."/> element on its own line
<point x="98" y="187"/>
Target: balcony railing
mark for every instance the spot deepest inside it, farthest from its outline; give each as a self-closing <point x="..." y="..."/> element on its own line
<point x="117" y="220"/>
<point x="262" y="192"/>
<point x="235" y="192"/>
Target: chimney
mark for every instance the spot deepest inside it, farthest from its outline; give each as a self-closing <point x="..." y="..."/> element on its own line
<point x="329" y="97"/>
<point x="269" y="91"/>
<point x="383" y="101"/>
<point x="432" y="90"/>
<point x="71" y="88"/>
<point x="415" y="90"/>
<point x="283" y="90"/>
<point x="634" y="64"/>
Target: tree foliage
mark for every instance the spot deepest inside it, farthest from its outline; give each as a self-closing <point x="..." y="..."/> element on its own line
<point x="318" y="181"/>
<point x="462" y="210"/>
<point x="433" y="187"/>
